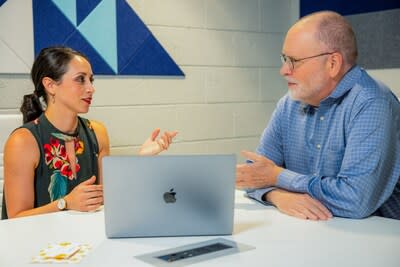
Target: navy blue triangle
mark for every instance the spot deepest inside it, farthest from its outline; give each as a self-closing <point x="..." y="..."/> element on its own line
<point x="151" y="59"/>
<point x="128" y="22"/>
<point x="345" y="7"/>
<point x="83" y="8"/>
<point x="2" y="2"/>
<point x="48" y="20"/>
<point x="139" y="53"/>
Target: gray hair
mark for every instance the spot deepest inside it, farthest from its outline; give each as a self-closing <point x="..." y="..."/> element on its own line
<point x="336" y="33"/>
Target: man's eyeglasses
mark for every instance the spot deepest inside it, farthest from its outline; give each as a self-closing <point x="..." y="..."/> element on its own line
<point x="290" y="60"/>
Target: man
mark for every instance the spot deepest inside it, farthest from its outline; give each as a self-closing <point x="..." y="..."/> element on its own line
<point x="332" y="146"/>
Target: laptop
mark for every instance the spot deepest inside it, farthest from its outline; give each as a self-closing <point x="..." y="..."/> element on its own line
<point x="169" y="195"/>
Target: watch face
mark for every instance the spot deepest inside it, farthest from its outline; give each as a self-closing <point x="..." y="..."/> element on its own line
<point x="61" y="204"/>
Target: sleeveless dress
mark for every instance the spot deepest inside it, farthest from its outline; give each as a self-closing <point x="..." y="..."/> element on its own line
<point x="53" y="175"/>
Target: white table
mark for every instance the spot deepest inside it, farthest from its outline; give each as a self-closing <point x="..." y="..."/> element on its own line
<point x="280" y="240"/>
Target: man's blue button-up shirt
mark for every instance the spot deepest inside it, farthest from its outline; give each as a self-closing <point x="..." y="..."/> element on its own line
<point x="345" y="153"/>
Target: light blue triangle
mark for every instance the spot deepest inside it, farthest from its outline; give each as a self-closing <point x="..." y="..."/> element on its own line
<point x="68" y="7"/>
<point x="100" y="29"/>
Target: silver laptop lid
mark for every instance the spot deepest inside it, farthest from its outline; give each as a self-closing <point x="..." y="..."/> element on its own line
<point x="182" y="195"/>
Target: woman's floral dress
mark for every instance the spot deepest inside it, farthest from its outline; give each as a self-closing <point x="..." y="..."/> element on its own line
<point x="54" y="177"/>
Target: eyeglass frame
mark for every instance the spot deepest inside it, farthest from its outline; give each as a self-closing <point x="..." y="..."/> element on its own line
<point x="293" y="60"/>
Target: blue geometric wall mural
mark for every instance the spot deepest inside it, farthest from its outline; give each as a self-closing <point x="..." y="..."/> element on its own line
<point x="346" y="7"/>
<point x="109" y="32"/>
<point x="2" y="2"/>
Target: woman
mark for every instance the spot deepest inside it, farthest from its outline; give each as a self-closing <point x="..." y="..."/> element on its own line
<point x="53" y="162"/>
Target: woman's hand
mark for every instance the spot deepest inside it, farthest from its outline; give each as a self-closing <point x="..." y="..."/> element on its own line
<point x="87" y="196"/>
<point x="154" y="145"/>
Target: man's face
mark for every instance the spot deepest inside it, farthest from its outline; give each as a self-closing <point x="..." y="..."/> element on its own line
<point x="308" y="79"/>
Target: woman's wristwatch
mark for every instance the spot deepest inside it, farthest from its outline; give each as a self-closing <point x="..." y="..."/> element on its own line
<point x="61" y="204"/>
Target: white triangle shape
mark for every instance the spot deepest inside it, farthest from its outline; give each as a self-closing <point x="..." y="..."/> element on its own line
<point x="14" y="63"/>
<point x="16" y="34"/>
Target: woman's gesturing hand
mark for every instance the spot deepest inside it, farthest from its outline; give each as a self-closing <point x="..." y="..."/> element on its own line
<point x="154" y="145"/>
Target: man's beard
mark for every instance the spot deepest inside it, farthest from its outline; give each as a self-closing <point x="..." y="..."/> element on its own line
<point x="299" y="93"/>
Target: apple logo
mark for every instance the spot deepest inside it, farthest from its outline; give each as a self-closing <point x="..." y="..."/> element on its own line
<point x="169" y="197"/>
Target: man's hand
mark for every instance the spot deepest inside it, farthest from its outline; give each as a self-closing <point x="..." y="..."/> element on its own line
<point x="299" y="205"/>
<point x="259" y="174"/>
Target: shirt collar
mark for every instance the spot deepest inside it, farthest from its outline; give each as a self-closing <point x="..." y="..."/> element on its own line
<point x="348" y="81"/>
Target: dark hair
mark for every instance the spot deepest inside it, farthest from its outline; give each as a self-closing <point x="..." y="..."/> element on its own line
<point x="51" y="62"/>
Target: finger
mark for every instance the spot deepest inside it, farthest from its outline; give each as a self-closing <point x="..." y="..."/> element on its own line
<point x="161" y="143"/>
<point x="169" y="137"/>
<point x="297" y="214"/>
<point x="89" y="181"/>
<point x="317" y="214"/>
<point x="94" y="194"/>
<point x="243" y="181"/>
<point x="324" y="210"/>
<point x="92" y="203"/>
<point x="319" y="210"/>
<point x="92" y="207"/>
<point x="309" y="214"/>
<point x="239" y="185"/>
<point x="172" y="134"/>
<point x="166" y="141"/>
<point x="154" y="134"/>
<point x="245" y="168"/>
<point x="296" y="211"/>
<point x="247" y="171"/>
<point x="241" y="176"/>
<point x="93" y="188"/>
<point x="94" y="200"/>
<point x="239" y="167"/>
<point x="251" y="155"/>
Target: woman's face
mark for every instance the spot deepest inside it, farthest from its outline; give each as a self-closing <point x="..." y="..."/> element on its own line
<point x="75" y="90"/>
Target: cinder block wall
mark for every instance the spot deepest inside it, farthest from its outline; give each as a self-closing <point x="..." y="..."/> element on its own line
<point x="229" y="51"/>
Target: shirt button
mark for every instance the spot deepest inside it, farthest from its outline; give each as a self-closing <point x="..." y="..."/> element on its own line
<point x="322" y="118"/>
<point x="319" y="146"/>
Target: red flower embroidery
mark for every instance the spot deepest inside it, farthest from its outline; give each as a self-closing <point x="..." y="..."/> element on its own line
<point x="57" y="163"/>
<point x="54" y="143"/>
<point x="78" y="167"/>
<point x="56" y="157"/>
<point x="66" y="170"/>
<point x="63" y="153"/>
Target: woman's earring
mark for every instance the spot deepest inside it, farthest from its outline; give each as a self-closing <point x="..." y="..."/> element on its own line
<point x="43" y="103"/>
<point x="53" y="98"/>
